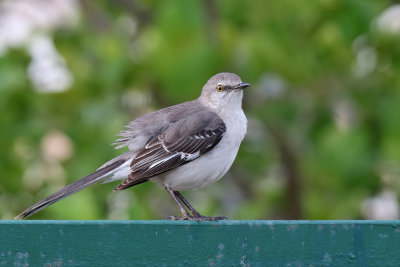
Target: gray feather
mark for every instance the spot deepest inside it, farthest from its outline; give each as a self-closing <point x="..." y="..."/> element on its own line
<point x="72" y="188"/>
<point x="182" y="142"/>
<point x="142" y="130"/>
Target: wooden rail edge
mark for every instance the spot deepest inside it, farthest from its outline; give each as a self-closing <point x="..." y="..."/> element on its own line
<point x="184" y="243"/>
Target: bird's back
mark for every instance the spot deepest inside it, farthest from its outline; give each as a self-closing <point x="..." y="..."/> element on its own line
<point x="140" y="131"/>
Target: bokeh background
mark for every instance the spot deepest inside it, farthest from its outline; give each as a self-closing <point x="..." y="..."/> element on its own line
<point x="323" y="137"/>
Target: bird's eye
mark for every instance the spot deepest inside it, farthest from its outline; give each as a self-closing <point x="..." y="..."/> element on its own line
<point x="219" y="88"/>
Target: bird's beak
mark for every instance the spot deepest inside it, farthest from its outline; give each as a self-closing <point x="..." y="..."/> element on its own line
<point x="242" y="85"/>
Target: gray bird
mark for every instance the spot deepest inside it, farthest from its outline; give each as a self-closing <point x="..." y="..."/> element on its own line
<point x="186" y="146"/>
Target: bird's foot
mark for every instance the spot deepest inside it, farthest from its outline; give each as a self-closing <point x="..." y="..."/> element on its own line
<point x="177" y="218"/>
<point x="207" y="218"/>
<point x="197" y="218"/>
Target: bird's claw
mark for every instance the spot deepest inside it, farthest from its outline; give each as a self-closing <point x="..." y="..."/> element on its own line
<point x="176" y="218"/>
<point x="206" y="218"/>
<point x="197" y="218"/>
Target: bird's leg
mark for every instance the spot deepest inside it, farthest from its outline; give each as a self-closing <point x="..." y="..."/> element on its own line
<point x="196" y="215"/>
<point x="186" y="215"/>
<point x="186" y="203"/>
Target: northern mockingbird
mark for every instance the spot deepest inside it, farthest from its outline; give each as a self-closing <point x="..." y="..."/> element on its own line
<point x="186" y="146"/>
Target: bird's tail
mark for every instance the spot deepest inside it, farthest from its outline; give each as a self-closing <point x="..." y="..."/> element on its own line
<point x="97" y="176"/>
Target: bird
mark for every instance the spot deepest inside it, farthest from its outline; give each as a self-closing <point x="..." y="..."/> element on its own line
<point x="181" y="147"/>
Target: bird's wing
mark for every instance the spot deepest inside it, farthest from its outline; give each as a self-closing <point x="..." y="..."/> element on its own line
<point x="182" y="142"/>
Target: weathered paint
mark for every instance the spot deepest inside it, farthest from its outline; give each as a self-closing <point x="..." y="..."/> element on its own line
<point x="181" y="243"/>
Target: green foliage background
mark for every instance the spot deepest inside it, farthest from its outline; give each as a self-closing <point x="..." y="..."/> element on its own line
<point x="301" y="158"/>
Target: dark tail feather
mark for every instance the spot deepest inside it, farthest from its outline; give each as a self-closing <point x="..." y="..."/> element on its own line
<point x="70" y="189"/>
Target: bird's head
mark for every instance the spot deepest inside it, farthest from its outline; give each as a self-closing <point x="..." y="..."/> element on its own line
<point x="223" y="91"/>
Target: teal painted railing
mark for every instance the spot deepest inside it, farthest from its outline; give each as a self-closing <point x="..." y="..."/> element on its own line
<point x="182" y="243"/>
